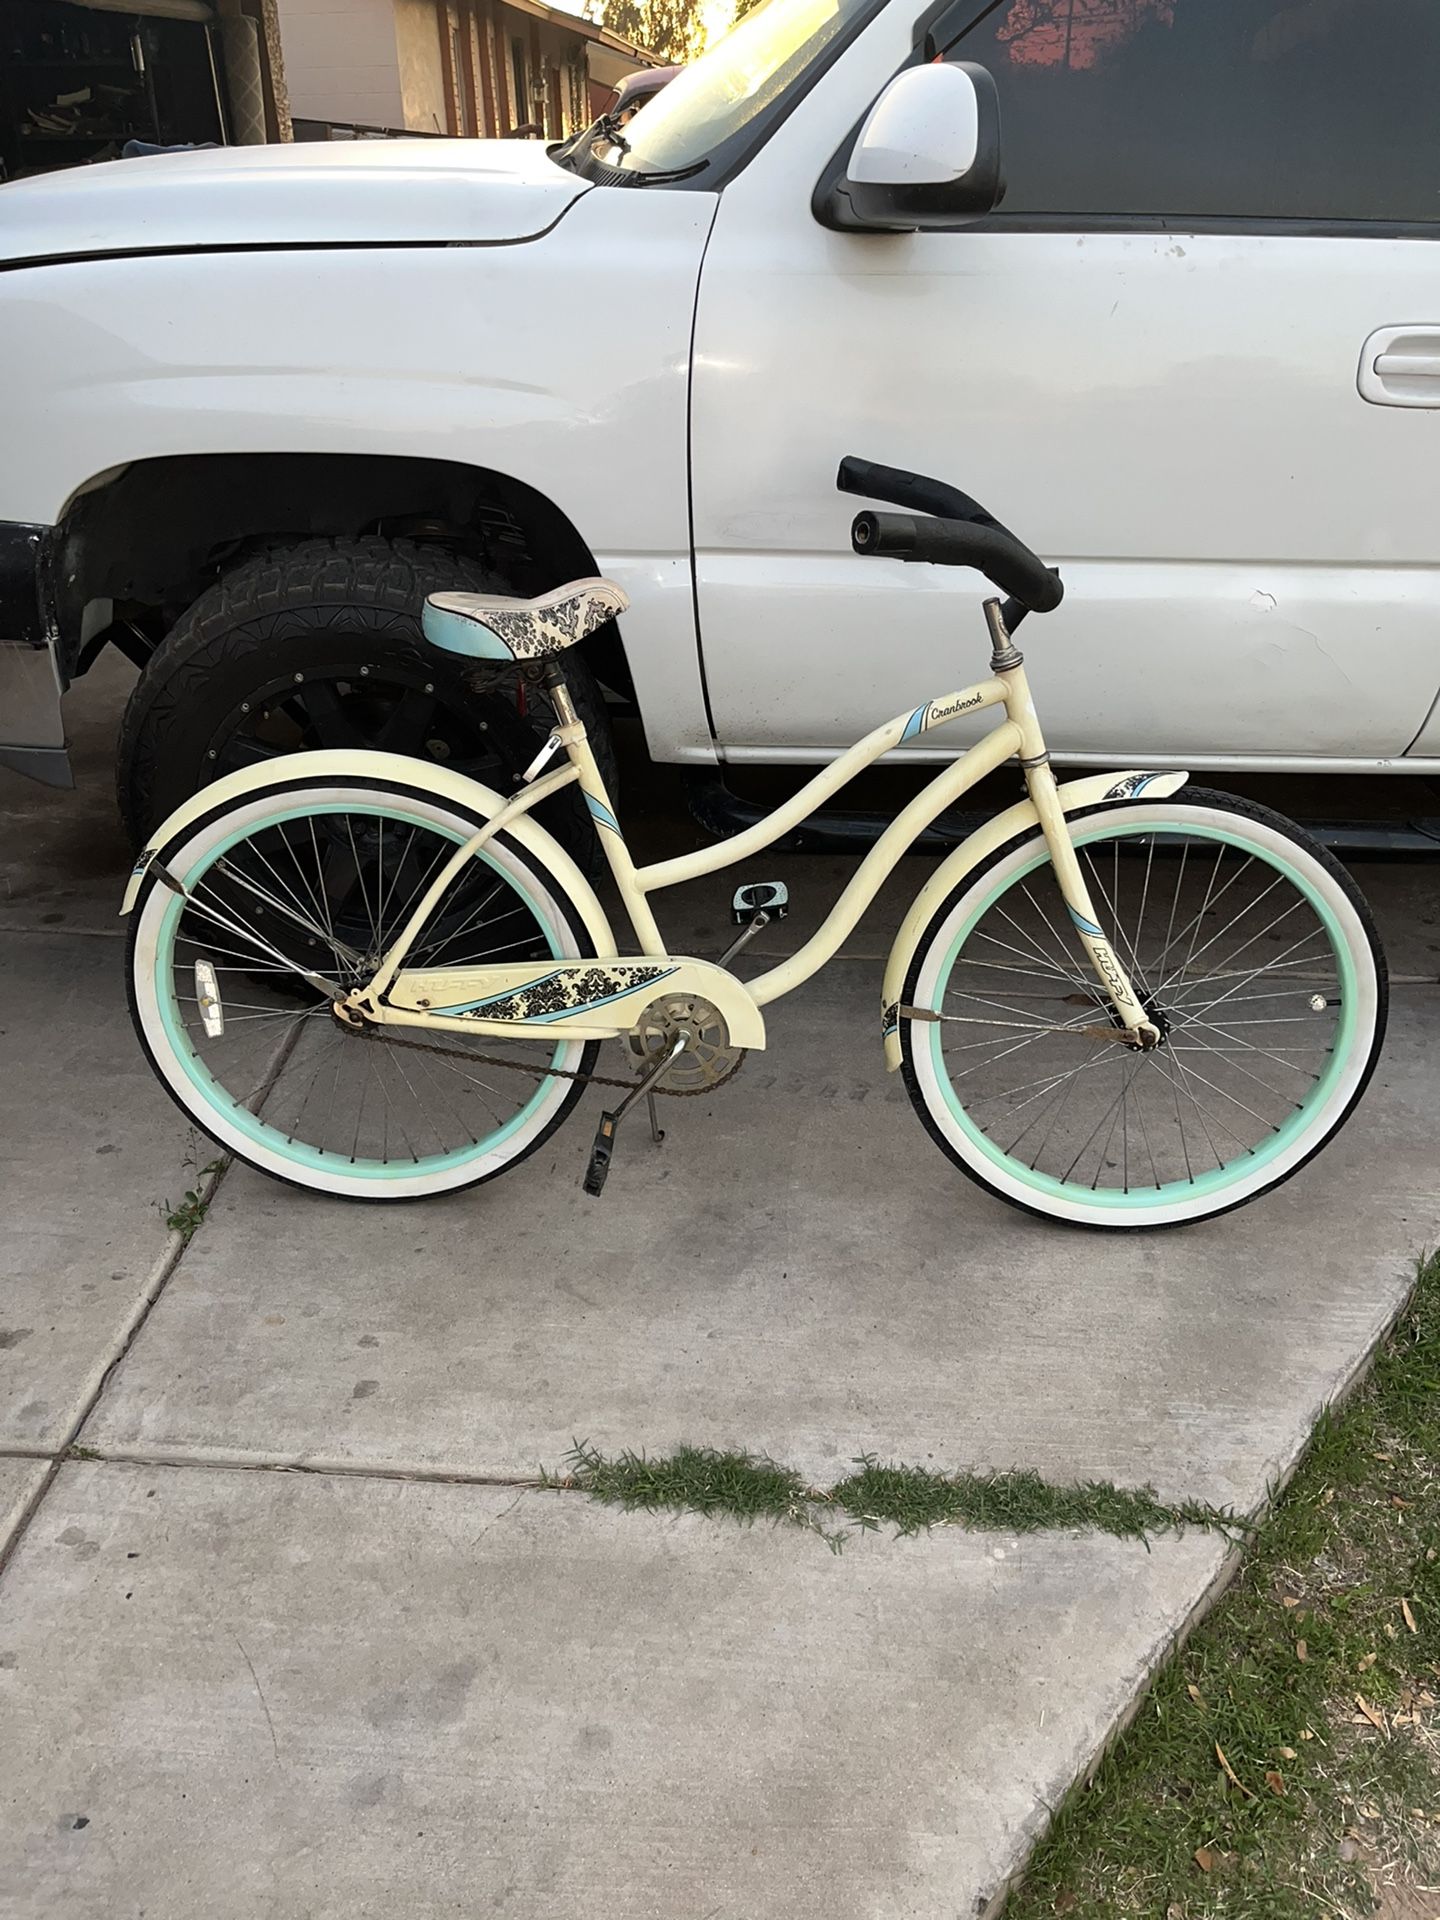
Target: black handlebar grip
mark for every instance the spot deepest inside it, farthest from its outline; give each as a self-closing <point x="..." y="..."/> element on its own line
<point x="891" y="536"/>
<point x="909" y="490"/>
<point x="1005" y="561"/>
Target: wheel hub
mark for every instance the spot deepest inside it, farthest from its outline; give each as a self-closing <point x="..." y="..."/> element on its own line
<point x="1157" y="1016"/>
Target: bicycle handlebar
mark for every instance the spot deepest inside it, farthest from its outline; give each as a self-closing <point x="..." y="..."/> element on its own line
<point x="912" y="491"/>
<point x="952" y="530"/>
<point x="1003" y="559"/>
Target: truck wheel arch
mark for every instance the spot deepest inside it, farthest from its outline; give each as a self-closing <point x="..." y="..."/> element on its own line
<point x="153" y="535"/>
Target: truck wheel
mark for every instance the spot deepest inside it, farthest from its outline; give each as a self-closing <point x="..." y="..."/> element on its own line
<point x="318" y="644"/>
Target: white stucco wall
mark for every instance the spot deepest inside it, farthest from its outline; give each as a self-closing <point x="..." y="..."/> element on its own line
<point x="341" y="61"/>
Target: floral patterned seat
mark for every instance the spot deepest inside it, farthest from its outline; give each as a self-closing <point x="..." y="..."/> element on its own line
<point x="488" y="626"/>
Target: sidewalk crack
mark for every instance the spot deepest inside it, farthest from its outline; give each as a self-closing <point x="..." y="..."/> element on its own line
<point x="260" y="1695"/>
<point x="497" y="1518"/>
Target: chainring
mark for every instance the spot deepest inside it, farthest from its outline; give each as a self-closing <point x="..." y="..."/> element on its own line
<point x="708" y="1061"/>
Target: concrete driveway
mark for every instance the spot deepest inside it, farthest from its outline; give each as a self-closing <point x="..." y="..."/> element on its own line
<point x="280" y="1634"/>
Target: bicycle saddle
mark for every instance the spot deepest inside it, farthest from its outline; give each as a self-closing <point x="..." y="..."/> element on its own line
<point x="490" y="626"/>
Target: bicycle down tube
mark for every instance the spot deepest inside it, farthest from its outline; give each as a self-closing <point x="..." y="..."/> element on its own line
<point x="1017" y="735"/>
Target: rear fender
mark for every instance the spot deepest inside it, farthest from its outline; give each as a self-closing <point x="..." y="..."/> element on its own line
<point x="1007" y="826"/>
<point x="435" y="782"/>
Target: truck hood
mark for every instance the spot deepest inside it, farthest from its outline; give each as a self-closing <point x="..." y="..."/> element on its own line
<point x="321" y="193"/>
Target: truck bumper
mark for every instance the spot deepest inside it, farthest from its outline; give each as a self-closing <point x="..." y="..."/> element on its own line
<point x="32" y="733"/>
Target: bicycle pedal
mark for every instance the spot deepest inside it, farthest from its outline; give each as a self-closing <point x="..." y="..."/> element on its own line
<point x="601" y="1155"/>
<point x="760" y="896"/>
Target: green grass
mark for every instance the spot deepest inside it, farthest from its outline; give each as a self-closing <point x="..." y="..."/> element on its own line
<point x="749" y="1487"/>
<point x="911" y="1499"/>
<point x="1316" y="1677"/>
<point x="698" y="1479"/>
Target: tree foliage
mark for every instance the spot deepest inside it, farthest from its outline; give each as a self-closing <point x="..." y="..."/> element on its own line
<point x="667" y="27"/>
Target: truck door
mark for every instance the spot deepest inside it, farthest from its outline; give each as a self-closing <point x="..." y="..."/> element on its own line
<point x="1147" y="362"/>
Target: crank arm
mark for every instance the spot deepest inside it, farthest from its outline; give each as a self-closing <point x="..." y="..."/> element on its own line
<point x="603" y="1150"/>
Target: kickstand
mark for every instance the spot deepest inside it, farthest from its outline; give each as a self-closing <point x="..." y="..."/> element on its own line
<point x="604" y="1147"/>
<point x="657" y="1132"/>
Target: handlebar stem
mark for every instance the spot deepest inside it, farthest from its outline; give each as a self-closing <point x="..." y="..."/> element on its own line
<point x="1005" y="656"/>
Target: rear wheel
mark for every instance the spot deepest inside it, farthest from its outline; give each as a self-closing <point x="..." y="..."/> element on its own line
<point x="317" y="880"/>
<point x="1250" y="948"/>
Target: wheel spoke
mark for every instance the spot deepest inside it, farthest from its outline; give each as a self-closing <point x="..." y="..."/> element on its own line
<point x="1040" y="963"/>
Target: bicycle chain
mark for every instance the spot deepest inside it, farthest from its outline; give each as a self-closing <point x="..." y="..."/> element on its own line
<point x="542" y="1073"/>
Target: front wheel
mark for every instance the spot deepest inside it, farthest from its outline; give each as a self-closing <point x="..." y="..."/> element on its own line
<point x="1252" y="951"/>
<point x="304" y="886"/>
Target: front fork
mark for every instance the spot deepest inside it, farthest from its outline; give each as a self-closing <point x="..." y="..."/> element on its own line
<point x="1008" y="664"/>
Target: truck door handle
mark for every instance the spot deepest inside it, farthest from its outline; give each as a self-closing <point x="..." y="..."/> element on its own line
<point x="1400" y="367"/>
<point x="1419" y="366"/>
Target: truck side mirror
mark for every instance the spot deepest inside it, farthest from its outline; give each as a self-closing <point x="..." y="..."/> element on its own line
<point x="927" y="156"/>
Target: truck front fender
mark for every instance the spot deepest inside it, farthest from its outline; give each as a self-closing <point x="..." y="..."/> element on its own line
<point x="1007" y="826"/>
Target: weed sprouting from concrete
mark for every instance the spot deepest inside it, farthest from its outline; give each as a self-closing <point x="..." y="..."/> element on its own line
<point x="187" y="1218"/>
<point x="912" y="1499"/>
<point x="749" y="1487"/>
<point x="741" y="1486"/>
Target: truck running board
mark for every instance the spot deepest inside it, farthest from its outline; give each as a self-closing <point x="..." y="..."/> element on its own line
<point x="837" y="830"/>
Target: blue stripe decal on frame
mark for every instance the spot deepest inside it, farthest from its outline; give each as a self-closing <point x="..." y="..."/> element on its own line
<point x="1085" y="926"/>
<point x="601" y="813"/>
<point x="916" y="723"/>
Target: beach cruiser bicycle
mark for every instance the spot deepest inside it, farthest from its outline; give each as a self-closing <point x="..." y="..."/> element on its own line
<point x="1124" y="1002"/>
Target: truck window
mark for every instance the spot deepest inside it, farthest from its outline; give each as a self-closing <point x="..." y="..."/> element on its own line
<point x="1253" y="109"/>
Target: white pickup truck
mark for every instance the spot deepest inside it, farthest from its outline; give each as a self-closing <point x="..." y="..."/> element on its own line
<point x="258" y="402"/>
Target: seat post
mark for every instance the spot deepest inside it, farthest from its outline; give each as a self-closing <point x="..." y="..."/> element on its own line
<point x="552" y="678"/>
<point x="602" y="812"/>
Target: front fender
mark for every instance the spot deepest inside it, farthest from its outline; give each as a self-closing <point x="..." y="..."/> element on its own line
<point x="437" y="782"/>
<point x="1074" y="795"/>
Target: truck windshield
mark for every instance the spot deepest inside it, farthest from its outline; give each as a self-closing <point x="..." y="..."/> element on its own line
<point x="758" y="62"/>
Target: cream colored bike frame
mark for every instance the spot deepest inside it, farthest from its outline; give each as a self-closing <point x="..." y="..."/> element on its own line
<point x="409" y="996"/>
